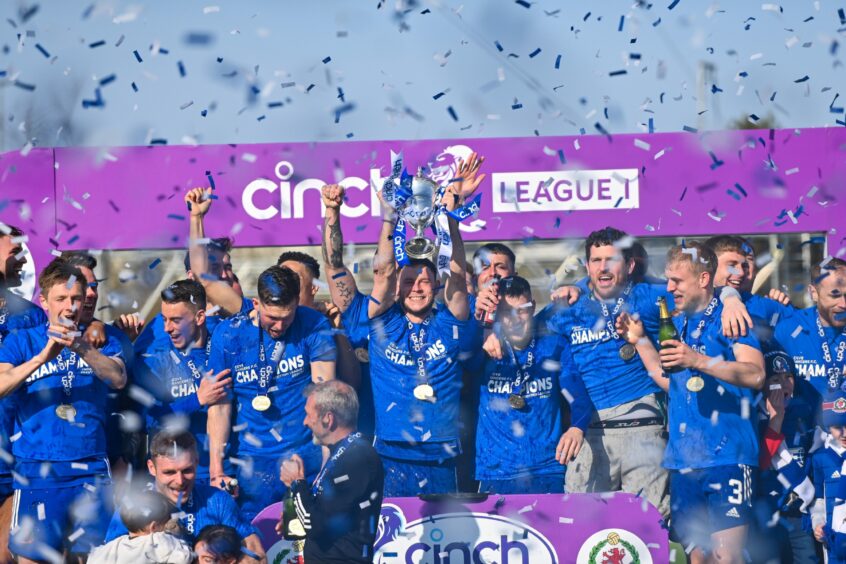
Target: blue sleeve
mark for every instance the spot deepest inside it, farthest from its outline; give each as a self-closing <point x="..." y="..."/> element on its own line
<point x="217" y="357"/>
<point x="116" y="528"/>
<point x="767" y="309"/>
<point x="12" y="351"/>
<point x="749" y="339"/>
<point x="148" y="335"/>
<point x="583" y="285"/>
<point x="114" y="348"/>
<point x="246" y="306"/>
<point x="574" y="391"/>
<point x="321" y="341"/>
<point x="226" y="512"/>
<point x="817" y="474"/>
<point x="356" y="313"/>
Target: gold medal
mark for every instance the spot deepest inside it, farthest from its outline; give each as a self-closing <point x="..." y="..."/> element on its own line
<point x="627" y="351"/>
<point x="66" y="411"/>
<point x="362" y="355"/>
<point x="695" y="383"/>
<point x="424" y="392"/>
<point x="261" y="403"/>
<point x="516" y="401"/>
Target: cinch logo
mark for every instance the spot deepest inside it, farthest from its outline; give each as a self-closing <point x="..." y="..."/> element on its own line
<point x="264" y="198"/>
<point x="565" y="190"/>
<point x="459" y="538"/>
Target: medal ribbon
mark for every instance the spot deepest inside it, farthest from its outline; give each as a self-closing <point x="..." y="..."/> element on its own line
<point x="351" y="438"/>
<point x="609" y="318"/>
<point x="833" y="372"/>
<point x="67" y="368"/>
<point x="265" y="370"/>
<point x="521" y="370"/>
<point x="195" y="372"/>
<point x="696" y="335"/>
<point x="418" y="340"/>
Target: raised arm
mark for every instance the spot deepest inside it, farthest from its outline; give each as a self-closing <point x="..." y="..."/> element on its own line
<point x="746" y="371"/>
<point x="218" y="292"/>
<point x="465" y="183"/>
<point x="384" y="265"/>
<point x="342" y="286"/>
<point x="110" y="370"/>
<point x="218" y="426"/>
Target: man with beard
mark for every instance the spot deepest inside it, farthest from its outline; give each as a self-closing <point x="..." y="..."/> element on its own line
<point x="414" y="347"/>
<point x="59" y="384"/>
<point x="273" y="354"/>
<point x="815" y="337"/>
<point x="15" y="313"/>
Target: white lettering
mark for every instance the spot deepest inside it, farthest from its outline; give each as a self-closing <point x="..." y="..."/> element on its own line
<point x="565" y="190"/>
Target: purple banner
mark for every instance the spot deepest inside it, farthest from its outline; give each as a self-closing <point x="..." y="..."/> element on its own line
<point x="541" y="529"/>
<point x="672" y="184"/>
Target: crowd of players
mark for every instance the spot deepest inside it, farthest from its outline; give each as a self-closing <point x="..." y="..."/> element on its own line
<point x="734" y="428"/>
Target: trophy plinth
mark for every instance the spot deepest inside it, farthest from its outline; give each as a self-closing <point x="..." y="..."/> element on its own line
<point x="419" y="248"/>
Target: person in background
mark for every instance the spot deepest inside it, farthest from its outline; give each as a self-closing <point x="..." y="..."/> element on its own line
<point x="828" y="475"/>
<point x="340" y="509"/>
<point x="218" y="544"/>
<point x="146" y="516"/>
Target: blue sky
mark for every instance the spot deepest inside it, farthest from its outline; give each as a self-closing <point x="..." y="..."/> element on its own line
<point x="392" y="60"/>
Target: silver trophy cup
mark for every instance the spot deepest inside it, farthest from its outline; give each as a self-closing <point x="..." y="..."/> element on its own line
<point x="419" y="212"/>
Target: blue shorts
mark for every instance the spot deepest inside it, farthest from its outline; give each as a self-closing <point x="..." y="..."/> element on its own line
<point x="259" y="484"/>
<point x="407" y="478"/>
<point x="50" y="520"/>
<point x="709" y="500"/>
<point x="525" y="484"/>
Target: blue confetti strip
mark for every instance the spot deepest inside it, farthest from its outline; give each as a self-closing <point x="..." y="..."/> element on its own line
<point x="43" y="50"/>
<point x="516" y="106"/>
<point x="842" y="16"/>
<point x="25" y="86"/>
<point x="558" y="61"/>
<point x="523" y="3"/>
<point x="176" y="216"/>
<point x="618" y="72"/>
<point x="97" y="44"/>
<point x="374" y="300"/>
<point x="803" y="79"/>
<point x="211" y="179"/>
<point x="622" y="20"/>
<point x="535" y="53"/>
<point x="181" y="68"/>
<point x="134" y="87"/>
<point x="452" y="113"/>
<point x="155" y="263"/>
<point x="673" y="4"/>
<point x="339" y="275"/>
<point x="690" y="129"/>
<point x="438" y="95"/>
<point x="107" y="80"/>
<point x="498" y="46"/>
<point x="651" y="125"/>
<point x="87" y="11"/>
<point x="326" y="60"/>
<point x="137" y="56"/>
<point x="656" y="22"/>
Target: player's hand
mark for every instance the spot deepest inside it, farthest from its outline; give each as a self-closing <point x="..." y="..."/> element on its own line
<point x="735" y="318"/>
<point x="95" y="334"/>
<point x="569" y="445"/>
<point x="675" y="353"/>
<point x="566" y="293"/>
<point x="487" y="300"/>
<point x="131" y="324"/>
<point x="333" y="313"/>
<point x="779" y="296"/>
<point x="819" y="533"/>
<point x="630" y="329"/>
<point x="493" y="347"/>
<point x="58" y="337"/>
<point x="225" y="483"/>
<point x="292" y="470"/>
<point x="467" y="177"/>
<point x="199" y="200"/>
<point x="213" y="389"/>
<point x="332" y="195"/>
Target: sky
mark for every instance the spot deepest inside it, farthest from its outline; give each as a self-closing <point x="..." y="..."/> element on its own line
<point x="115" y="73"/>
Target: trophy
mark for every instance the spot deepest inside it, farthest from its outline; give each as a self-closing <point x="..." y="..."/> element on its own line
<point x="419" y="212"/>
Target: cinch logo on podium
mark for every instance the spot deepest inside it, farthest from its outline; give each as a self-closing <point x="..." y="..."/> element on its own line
<point x="565" y="190"/>
<point x="459" y="538"/>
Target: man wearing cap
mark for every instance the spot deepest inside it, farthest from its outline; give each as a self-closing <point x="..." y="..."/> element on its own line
<point x="827" y="467"/>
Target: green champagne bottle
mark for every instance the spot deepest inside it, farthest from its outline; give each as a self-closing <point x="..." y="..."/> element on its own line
<point x="666" y="329"/>
<point x="292" y="527"/>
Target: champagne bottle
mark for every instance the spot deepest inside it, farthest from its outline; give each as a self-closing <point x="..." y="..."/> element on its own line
<point x="292" y="527"/>
<point x="666" y="329"/>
